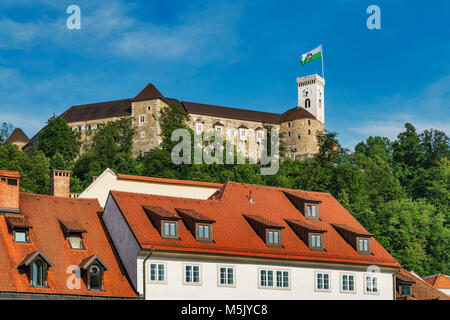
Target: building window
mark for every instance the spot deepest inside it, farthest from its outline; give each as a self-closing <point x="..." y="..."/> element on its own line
<point x="231" y="133"/>
<point x="204" y="231"/>
<point x="95" y="278"/>
<point x="347" y="283"/>
<point x="320" y="103"/>
<point x="80" y="128"/>
<point x="307" y="103"/>
<point x="143" y="134"/>
<point x="198" y="127"/>
<point x="371" y="284"/>
<point x="89" y="127"/>
<point x="273" y="237"/>
<point x="170" y="229"/>
<point x="20" y="235"/>
<point x="269" y="278"/>
<point x="363" y="245"/>
<point x="260" y="134"/>
<point x="309" y="122"/>
<point x="309" y="132"/>
<point x="157" y="273"/>
<point x="38" y="274"/>
<point x="142" y="119"/>
<point x="149" y="108"/>
<point x="289" y="133"/>
<point x="12" y="182"/>
<point x="226" y="276"/>
<point x="405" y="290"/>
<point x="322" y="281"/>
<point x="289" y="124"/>
<point x="192" y="274"/>
<point x="315" y="241"/>
<point x="312" y="211"/>
<point x="75" y="240"/>
<point x="299" y="136"/>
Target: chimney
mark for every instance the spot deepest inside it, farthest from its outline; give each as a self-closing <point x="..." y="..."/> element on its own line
<point x="60" y="183"/>
<point x="9" y="191"/>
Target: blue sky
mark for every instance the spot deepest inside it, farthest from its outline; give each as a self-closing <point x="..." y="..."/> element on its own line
<point x="238" y="54"/>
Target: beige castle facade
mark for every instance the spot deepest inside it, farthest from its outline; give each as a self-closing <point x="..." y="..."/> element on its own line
<point x="299" y="125"/>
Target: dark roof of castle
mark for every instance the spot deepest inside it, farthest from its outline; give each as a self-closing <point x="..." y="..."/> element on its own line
<point x="18" y="136"/>
<point x="148" y="93"/>
<point x="231" y="113"/>
<point x="120" y="108"/>
<point x="295" y="114"/>
<point x="96" y="111"/>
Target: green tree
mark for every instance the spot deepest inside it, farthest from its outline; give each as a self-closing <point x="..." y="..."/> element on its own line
<point x="58" y="137"/>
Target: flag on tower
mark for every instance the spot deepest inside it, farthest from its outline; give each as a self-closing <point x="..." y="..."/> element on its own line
<point x="311" y="55"/>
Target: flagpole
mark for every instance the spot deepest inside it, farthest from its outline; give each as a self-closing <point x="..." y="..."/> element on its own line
<point x="323" y="74"/>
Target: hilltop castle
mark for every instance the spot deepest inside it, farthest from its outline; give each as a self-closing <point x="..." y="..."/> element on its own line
<point x="299" y="124"/>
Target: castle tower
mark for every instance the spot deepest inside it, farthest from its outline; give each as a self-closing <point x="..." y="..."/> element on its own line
<point x="311" y="95"/>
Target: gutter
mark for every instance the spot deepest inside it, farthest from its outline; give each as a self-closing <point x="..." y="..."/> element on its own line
<point x="145" y="263"/>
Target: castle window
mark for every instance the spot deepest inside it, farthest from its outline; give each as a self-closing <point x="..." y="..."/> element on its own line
<point x="89" y="127"/>
<point x="198" y="127"/>
<point x="299" y="136"/>
<point x="309" y="122"/>
<point x="143" y="134"/>
<point x="80" y="128"/>
<point x="149" y="108"/>
<point x="309" y="132"/>
<point x="307" y="103"/>
<point x="289" y="124"/>
<point x="289" y="133"/>
<point x="320" y="103"/>
<point x="142" y="119"/>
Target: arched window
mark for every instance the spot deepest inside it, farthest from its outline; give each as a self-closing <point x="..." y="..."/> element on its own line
<point x="37" y="274"/>
<point x="95" y="277"/>
<point x="309" y="122"/>
<point x="307" y="103"/>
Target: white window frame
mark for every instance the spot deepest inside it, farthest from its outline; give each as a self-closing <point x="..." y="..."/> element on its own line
<point x="316" y="273"/>
<point x="341" y="282"/>
<point x="231" y="133"/>
<point x="157" y="263"/>
<point x="140" y="119"/>
<point x="226" y="285"/>
<point x="243" y="134"/>
<point x="198" y="127"/>
<point x="274" y="278"/>
<point x="365" y="284"/>
<point x="199" y="283"/>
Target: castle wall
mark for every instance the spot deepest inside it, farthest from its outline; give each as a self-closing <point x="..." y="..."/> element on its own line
<point x="301" y="135"/>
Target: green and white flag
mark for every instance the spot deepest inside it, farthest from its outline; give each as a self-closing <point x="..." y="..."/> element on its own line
<point x="312" y="55"/>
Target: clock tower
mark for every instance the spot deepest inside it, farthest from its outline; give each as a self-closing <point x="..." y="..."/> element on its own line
<point x="311" y="95"/>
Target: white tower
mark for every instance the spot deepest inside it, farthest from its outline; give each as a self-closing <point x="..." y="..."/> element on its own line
<point x="311" y="95"/>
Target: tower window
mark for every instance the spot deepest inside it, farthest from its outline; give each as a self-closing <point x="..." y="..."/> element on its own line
<point x="320" y="103"/>
<point x="289" y="133"/>
<point x="309" y="132"/>
<point x="149" y="108"/>
<point x="307" y="103"/>
<point x="142" y="119"/>
<point x="309" y="122"/>
<point x="299" y="136"/>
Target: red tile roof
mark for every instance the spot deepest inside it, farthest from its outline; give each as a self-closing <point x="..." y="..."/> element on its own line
<point x="18" y="136"/>
<point x="421" y="290"/>
<point x="356" y="231"/>
<point x="310" y="226"/>
<point x="265" y="222"/>
<point x="160" y="212"/>
<point x="234" y="236"/>
<point x="46" y="238"/>
<point x="9" y="174"/>
<point x="170" y="181"/>
<point x="193" y="214"/>
<point x="440" y="281"/>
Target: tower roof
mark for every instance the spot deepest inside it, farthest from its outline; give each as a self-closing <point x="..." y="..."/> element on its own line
<point x="18" y="136"/>
<point x="148" y="93"/>
<point x="295" y="114"/>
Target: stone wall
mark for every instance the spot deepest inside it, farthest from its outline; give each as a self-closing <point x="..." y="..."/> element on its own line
<point x="300" y="135"/>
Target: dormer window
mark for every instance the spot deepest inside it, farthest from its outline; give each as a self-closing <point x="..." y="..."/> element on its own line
<point x="358" y="238"/>
<point x="73" y="233"/>
<point x="363" y="245"/>
<point x="269" y="231"/>
<point x="170" y="229"/>
<point x="312" y="211"/>
<point x="273" y="237"/>
<point x="93" y="269"/>
<point x="405" y="290"/>
<point x="316" y="241"/>
<point x="75" y="240"/>
<point x="312" y="233"/>
<point x="19" y="227"/>
<point x="201" y="226"/>
<point x="204" y="231"/>
<point x="165" y="221"/>
<point x="21" y="235"/>
<point x="36" y="266"/>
